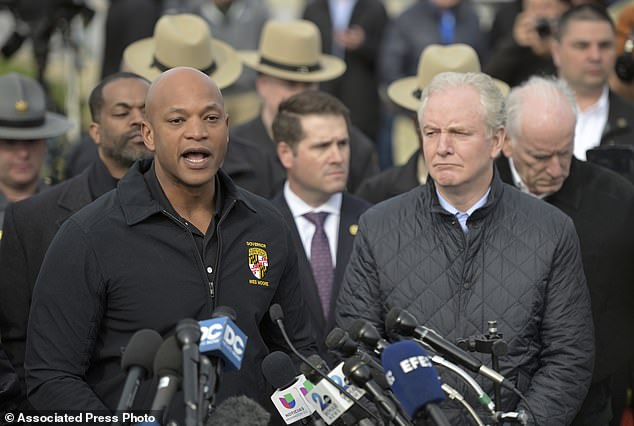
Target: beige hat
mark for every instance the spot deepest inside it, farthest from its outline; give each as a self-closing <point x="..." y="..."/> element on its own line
<point x="183" y="40"/>
<point x="292" y="51"/>
<point x="436" y="59"/>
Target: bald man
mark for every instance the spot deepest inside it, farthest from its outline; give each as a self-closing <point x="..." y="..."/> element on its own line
<point x="175" y="240"/>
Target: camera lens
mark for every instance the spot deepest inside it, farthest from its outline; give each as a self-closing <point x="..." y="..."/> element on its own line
<point x="542" y="26"/>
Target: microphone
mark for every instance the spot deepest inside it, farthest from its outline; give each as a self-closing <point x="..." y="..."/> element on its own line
<point x="363" y="331"/>
<point x="137" y="363"/>
<point x="339" y="340"/>
<point x="225" y="343"/>
<point x="168" y="366"/>
<point x="360" y="374"/>
<point x="311" y="374"/>
<point x="277" y="316"/>
<point x="187" y="334"/>
<point x="222" y="339"/>
<point x="414" y="381"/>
<point x="205" y="373"/>
<point x="239" y="411"/>
<point x="406" y="324"/>
<point x="328" y="400"/>
<point x="290" y="393"/>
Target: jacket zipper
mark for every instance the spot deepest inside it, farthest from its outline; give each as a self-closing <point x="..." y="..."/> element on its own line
<point x="200" y="261"/>
<point x="212" y="286"/>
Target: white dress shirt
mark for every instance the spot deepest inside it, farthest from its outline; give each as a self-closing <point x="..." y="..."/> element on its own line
<point x="590" y="125"/>
<point x="306" y="228"/>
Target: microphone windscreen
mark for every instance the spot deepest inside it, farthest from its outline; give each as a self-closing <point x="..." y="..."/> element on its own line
<point x="356" y="329"/>
<point x="141" y="350"/>
<point x="308" y="371"/>
<point x="278" y="369"/>
<point x="391" y="319"/>
<point x="334" y="338"/>
<point x="169" y="359"/>
<point x="414" y="379"/>
<point x="225" y="311"/>
<point x="239" y="411"/>
<point x="339" y="340"/>
<point x="276" y="313"/>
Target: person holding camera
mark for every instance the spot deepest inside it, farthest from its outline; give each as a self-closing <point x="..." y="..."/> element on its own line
<point x="526" y="50"/>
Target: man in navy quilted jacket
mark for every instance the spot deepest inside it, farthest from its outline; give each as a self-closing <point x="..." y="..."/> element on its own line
<point x="466" y="248"/>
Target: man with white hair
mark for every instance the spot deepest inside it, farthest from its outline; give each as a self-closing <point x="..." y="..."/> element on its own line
<point x="538" y="159"/>
<point x="465" y="248"/>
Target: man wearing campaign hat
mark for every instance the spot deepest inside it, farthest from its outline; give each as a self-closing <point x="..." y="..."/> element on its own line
<point x="186" y="40"/>
<point x="25" y="126"/>
<point x="290" y="61"/>
<point x="406" y="93"/>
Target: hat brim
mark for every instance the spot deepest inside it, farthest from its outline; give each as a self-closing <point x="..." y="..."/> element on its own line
<point x="402" y="92"/>
<point x="138" y="58"/>
<point x="331" y="68"/>
<point x="54" y="125"/>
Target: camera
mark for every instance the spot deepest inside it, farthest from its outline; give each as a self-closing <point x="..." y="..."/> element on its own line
<point x="543" y="27"/>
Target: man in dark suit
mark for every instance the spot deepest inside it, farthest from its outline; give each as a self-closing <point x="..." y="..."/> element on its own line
<point x="538" y="159"/>
<point x="353" y="30"/>
<point x="117" y="104"/>
<point x="584" y="53"/>
<point x="311" y="131"/>
<point x="290" y="61"/>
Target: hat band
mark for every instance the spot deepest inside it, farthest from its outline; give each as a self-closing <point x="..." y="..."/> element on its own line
<point x="35" y="122"/>
<point x="303" y="69"/>
<point x="162" y="67"/>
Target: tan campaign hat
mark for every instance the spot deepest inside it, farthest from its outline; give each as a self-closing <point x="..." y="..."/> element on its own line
<point x="183" y="40"/>
<point x="434" y="60"/>
<point x="292" y="51"/>
<point x="23" y="114"/>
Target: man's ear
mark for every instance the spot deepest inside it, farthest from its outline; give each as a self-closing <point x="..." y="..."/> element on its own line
<point x="498" y="142"/>
<point x="507" y="147"/>
<point x="285" y="154"/>
<point x="93" y="131"/>
<point x="148" y="136"/>
<point x="554" y="52"/>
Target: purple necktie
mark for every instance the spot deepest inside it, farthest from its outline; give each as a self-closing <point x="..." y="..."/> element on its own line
<point x="321" y="260"/>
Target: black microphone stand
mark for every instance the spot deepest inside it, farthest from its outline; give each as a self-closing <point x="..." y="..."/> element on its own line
<point x="490" y="343"/>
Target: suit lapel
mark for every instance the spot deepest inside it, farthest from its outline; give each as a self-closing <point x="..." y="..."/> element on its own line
<point x="307" y="281"/>
<point x="347" y="230"/>
<point x="75" y="196"/>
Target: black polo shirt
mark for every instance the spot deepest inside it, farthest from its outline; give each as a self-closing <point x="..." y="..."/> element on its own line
<point x="207" y="243"/>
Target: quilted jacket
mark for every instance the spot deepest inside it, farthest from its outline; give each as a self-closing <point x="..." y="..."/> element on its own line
<point x="519" y="264"/>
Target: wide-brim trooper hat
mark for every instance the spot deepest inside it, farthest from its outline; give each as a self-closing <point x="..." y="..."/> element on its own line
<point x="434" y="60"/>
<point x="183" y="40"/>
<point x="292" y="51"/>
<point x="23" y="114"/>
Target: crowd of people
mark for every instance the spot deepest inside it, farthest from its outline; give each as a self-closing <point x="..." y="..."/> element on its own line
<point x="235" y="160"/>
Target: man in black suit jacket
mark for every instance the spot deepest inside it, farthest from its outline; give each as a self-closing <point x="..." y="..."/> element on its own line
<point x="538" y="159"/>
<point x="290" y="61"/>
<point x="117" y="104"/>
<point x="311" y="131"/>
<point x="584" y="53"/>
<point x="355" y="35"/>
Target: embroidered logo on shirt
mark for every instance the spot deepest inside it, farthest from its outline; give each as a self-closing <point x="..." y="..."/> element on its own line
<point x="258" y="262"/>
